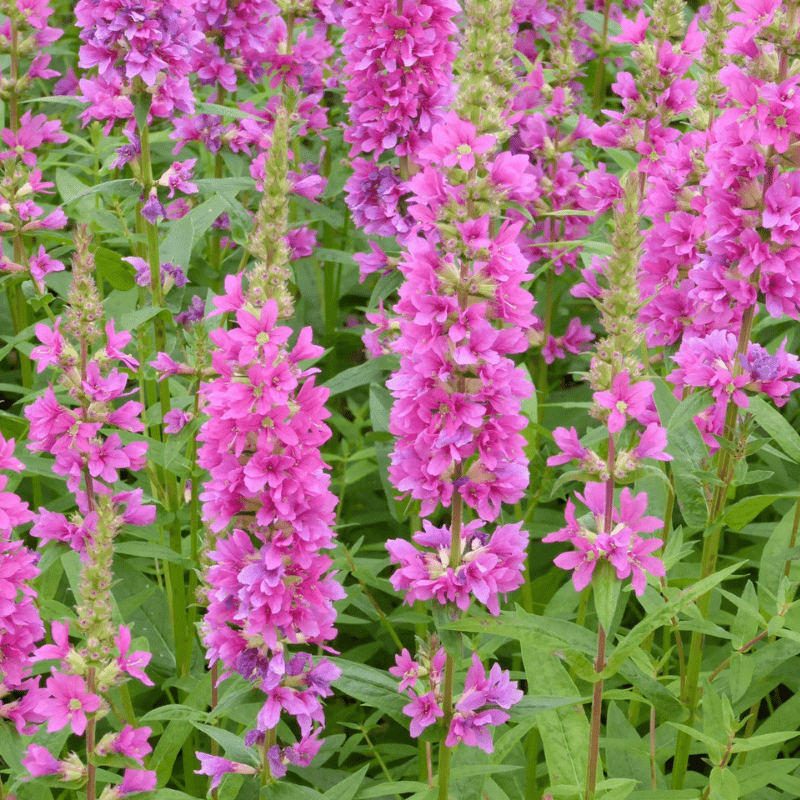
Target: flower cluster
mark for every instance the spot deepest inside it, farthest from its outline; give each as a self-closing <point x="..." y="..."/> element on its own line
<point x="622" y="547"/>
<point x="487" y="566"/>
<point x="399" y="59"/>
<point x="482" y="704"/>
<point x="131" y="42"/>
<point x="267" y="587"/>
<point x="457" y="391"/>
<point x="90" y="458"/>
<point x="20" y="209"/>
<point x="20" y="624"/>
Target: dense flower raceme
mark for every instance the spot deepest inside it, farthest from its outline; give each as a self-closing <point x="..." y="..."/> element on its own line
<point x="20" y="624"/>
<point x="21" y="190"/>
<point x="457" y="391"/>
<point x="399" y="61"/>
<point x="73" y="427"/>
<point x="249" y="39"/>
<point x="479" y="706"/>
<point x="269" y="502"/>
<point x="150" y="41"/>
<point x="622" y="547"/>
<point x="488" y="566"/>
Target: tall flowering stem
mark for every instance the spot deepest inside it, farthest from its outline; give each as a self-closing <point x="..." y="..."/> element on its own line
<point x="268" y="508"/>
<point x="90" y="458"/>
<point x="463" y="314"/>
<point x="775" y="138"/>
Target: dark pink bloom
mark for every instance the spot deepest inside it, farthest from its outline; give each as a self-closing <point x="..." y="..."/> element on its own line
<point x="68" y="703"/>
<point x="455" y="142"/>
<point x="624" y="400"/>
<point x="423" y="710"/>
<point x="133" y="664"/>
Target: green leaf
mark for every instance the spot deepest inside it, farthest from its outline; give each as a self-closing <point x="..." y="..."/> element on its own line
<point x="347" y="788"/>
<point x="367" y="372"/>
<point x="784" y="435"/>
<point x="111" y="268"/>
<point x="280" y="790"/>
<point x="186" y="232"/>
<point x="450" y="640"/>
<point x="234" y="746"/>
<point x="764" y="740"/>
<point x="545" y="633"/>
<point x="741" y="675"/>
<point x="380" y="406"/>
<point x="773" y="561"/>
<point x="723" y="784"/>
<point x="392" y="787"/>
<point x="626" y="752"/>
<point x="655" y="620"/>
<point x="564" y="732"/>
<point x="385" y="286"/>
<point x="334" y="256"/>
<point x="739" y="514"/>
<point x="175" y="711"/>
<point x="373" y="687"/>
<point x="606" y="588"/>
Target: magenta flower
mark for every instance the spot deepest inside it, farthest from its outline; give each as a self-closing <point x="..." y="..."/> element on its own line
<point x="39" y="761"/>
<point x="582" y="561"/>
<point x="652" y="443"/>
<point x="489" y="566"/>
<point x="137" y="780"/>
<point x="624" y="400"/>
<point x="423" y="710"/>
<point x="406" y="668"/>
<point x="570" y="446"/>
<point x="68" y="703"/>
<point x="130" y="742"/>
<point x="216" y="766"/>
<point x="455" y="142"/>
<point x="133" y="664"/>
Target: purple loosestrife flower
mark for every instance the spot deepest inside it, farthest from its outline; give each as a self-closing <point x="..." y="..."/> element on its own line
<point x="215" y="767"/>
<point x="488" y="567"/>
<point x="68" y="703"/>
<point x="624" y="400"/>
<point x="151" y="41"/>
<point x="628" y="553"/>
<point x="399" y="62"/>
<point x="709" y="361"/>
<point x="20" y="624"/>
<point x="268" y="588"/>
<point x="477" y="708"/>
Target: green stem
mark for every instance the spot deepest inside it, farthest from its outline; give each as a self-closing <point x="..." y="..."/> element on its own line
<point x="541" y="373"/>
<point x="597" y="707"/>
<point x="445" y="752"/>
<point x="711" y="544"/>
